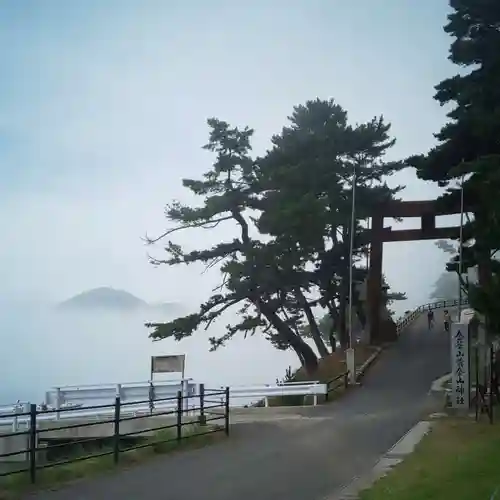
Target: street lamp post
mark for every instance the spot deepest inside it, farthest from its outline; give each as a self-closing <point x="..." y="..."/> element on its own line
<point x="460" y="249"/>
<point x="351" y="365"/>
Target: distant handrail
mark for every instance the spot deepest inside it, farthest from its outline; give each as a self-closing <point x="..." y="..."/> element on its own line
<point x="402" y="323"/>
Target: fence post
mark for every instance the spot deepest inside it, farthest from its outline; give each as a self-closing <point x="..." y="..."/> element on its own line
<point x="202" y="419"/>
<point x="327" y="391"/>
<point x="185" y="395"/>
<point x="32" y="443"/>
<point x="151" y="397"/>
<point x="477" y="380"/>
<point x="116" y="434"/>
<point x="492" y="360"/>
<point x="58" y="402"/>
<point x="226" y="413"/>
<point x="15" y="421"/>
<point x="179" y="415"/>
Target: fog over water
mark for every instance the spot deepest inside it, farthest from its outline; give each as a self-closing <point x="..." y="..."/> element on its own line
<point x="42" y="348"/>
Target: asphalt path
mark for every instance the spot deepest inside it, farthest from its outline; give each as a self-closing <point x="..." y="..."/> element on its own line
<point x="305" y="455"/>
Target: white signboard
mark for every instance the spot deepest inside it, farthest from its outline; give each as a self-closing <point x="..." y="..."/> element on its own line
<point x="168" y="364"/>
<point x="460" y="380"/>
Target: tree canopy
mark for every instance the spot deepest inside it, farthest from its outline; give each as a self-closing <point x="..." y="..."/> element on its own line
<point x="445" y="287"/>
<point x="469" y="143"/>
<point x="291" y="209"/>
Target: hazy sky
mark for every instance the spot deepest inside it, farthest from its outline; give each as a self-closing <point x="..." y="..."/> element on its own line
<point x="103" y="106"/>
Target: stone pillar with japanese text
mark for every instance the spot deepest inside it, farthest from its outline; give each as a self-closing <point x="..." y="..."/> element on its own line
<point x="460" y="372"/>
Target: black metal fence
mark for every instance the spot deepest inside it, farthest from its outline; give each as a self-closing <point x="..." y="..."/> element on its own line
<point x="441" y="304"/>
<point x="173" y="420"/>
<point x="487" y="382"/>
<point x="340" y="381"/>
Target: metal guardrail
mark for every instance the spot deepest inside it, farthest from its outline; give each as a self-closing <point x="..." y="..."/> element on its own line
<point x="264" y="392"/>
<point x="402" y="323"/>
<point x="18" y="419"/>
<point x="75" y="396"/>
<point x="91" y="401"/>
<point x="121" y="431"/>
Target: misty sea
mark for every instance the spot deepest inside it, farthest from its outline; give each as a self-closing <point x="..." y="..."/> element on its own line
<point x="42" y="348"/>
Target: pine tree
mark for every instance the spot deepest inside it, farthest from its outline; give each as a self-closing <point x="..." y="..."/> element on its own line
<point x="469" y="144"/>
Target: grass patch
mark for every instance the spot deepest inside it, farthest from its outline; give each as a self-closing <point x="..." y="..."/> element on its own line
<point x="329" y="367"/>
<point x="459" y="459"/>
<point x="162" y="442"/>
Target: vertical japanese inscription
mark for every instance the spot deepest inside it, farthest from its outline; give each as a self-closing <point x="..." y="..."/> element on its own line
<point x="460" y="365"/>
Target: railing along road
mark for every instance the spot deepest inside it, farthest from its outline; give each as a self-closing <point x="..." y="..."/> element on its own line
<point x="402" y="323"/>
<point x="31" y="447"/>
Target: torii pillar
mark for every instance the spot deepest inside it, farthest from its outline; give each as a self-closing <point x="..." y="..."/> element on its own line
<point x="374" y="286"/>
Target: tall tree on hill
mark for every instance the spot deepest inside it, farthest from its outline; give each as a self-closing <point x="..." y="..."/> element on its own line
<point x="298" y="197"/>
<point x="469" y="143"/>
<point x="446" y="286"/>
<point x="306" y="179"/>
<point x="327" y="327"/>
<point x="249" y="267"/>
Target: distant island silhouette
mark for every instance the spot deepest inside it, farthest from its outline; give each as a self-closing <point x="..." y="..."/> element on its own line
<point x="111" y="299"/>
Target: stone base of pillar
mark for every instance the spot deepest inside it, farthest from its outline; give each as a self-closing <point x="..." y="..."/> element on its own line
<point x="386" y="332"/>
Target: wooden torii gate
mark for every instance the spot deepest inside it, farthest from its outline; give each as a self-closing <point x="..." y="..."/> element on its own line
<point x="427" y="211"/>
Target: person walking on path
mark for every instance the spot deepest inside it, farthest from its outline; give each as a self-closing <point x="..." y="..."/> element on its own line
<point x="446" y="321"/>
<point x="430" y="318"/>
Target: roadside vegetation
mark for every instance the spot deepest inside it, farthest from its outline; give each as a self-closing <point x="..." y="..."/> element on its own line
<point x="459" y="459"/>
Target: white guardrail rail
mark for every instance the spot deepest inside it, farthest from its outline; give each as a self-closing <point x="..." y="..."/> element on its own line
<point x="75" y="400"/>
<point x="405" y="321"/>
<point x="264" y="392"/>
<point x="81" y="397"/>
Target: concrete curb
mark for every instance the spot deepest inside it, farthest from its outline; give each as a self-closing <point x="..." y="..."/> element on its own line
<point x="393" y="457"/>
<point x="364" y="367"/>
<point x="440" y="394"/>
<point x="438" y="384"/>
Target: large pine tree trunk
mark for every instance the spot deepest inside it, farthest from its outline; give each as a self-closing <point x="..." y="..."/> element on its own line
<point x="360" y="312"/>
<point x="334" y="315"/>
<point x="342" y="330"/>
<point x="313" y="325"/>
<point x="308" y="359"/>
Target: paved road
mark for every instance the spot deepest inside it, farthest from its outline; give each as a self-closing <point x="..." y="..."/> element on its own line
<point x="307" y="457"/>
